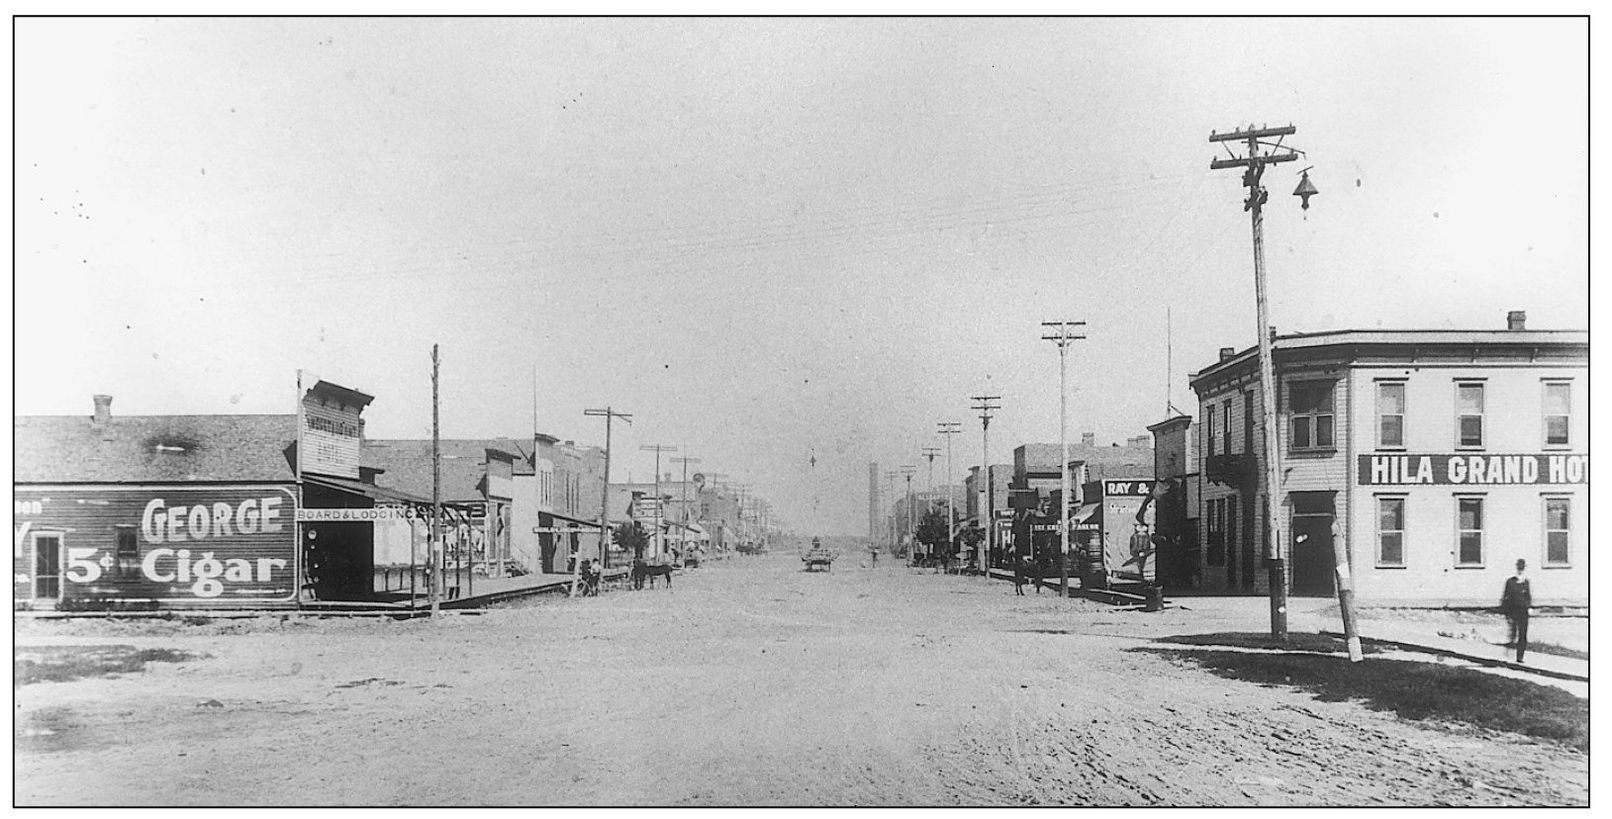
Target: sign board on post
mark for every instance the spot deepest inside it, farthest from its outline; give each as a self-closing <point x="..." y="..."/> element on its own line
<point x="1128" y="531"/>
<point x="329" y="430"/>
<point x="330" y="437"/>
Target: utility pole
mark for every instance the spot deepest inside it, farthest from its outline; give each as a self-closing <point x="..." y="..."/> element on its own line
<point x="715" y="484"/>
<point x="1062" y="336"/>
<point x="609" y="414"/>
<point x="686" y="515"/>
<point x="908" y="471"/>
<point x="657" y="449"/>
<point x="930" y="452"/>
<point x="437" y="564"/>
<point x="948" y="429"/>
<point x="890" y="514"/>
<point x="1253" y="166"/>
<point x="985" y="407"/>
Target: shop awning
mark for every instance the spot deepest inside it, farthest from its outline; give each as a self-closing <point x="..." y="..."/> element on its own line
<point x="568" y="519"/>
<point x="1085" y="512"/>
<point x="379" y="494"/>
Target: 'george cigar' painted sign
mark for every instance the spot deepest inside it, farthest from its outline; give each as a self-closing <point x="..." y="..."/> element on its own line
<point x="211" y="543"/>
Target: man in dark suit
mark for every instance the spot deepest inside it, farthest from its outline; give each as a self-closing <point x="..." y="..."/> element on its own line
<point x="1515" y="602"/>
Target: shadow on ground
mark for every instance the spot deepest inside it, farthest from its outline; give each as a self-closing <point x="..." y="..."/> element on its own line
<point x="62" y="663"/>
<point x="1411" y="689"/>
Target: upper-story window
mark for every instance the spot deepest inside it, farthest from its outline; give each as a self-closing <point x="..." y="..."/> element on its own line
<point x="1248" y="421"/>
<point x="1558" y="413"/>
<point x="1390" y="414"/>
<point x="1469" y="415"/>
<point x="1225" y="426"/>
<point x="1310" y="410"/>
<point x="1209" y="430"/>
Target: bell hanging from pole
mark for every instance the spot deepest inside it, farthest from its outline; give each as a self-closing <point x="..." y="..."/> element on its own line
<point x="1305" y="190"/>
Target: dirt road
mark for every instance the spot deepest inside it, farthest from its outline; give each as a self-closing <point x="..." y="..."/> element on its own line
<point x="751" y="682"/>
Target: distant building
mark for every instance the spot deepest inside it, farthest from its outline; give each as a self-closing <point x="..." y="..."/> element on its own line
<point x="1035" y="490"/>
<point x="478" y="488"/>
<point x="1437" y="457"/>
<point x="875" y="511"/>
<point x="1175" y="463"/>
<point x="1001" y="482"/>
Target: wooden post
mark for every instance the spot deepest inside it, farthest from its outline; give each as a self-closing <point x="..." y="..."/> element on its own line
<point x="437" y="563"/>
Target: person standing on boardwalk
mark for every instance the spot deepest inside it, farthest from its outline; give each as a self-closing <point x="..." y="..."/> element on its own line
<point x="1515" y="603"/>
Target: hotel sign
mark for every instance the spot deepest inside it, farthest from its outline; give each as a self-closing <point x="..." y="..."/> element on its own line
<point x="1461" y="469"/>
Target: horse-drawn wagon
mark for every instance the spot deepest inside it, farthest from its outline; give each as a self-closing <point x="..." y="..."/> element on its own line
<point x="818" y="555"/>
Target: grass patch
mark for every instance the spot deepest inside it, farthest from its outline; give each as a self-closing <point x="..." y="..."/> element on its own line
<point x="1411" y="689"/>
<point x="1559" y="651"/>
<point x="1249" y="639"/>
<point x="37" y="664"/>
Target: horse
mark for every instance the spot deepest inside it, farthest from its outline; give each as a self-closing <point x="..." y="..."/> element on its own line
<point x="642" y="570"/>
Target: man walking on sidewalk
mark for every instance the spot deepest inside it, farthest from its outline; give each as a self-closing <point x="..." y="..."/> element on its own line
<point x="1515" y="602"/>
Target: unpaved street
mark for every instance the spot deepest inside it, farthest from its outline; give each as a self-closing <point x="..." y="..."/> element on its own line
<point x="751" y="682"/>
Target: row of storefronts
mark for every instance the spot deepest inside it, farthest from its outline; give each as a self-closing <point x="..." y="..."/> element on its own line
<point x="1431" y="461"/>
<point x="285" y="511"/>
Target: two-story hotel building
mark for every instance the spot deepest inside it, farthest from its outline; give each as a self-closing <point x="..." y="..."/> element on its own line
<point x="1438" y="457"/>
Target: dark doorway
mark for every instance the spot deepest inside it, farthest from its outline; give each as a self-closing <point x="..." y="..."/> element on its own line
<point x="1312" y="544"/>
<point x="47" y="567"/>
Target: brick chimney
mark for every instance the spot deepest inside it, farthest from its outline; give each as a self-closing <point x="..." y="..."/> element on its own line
<point x="103" y="410"/>
<point x="1516" y="320"/>
<point x="1227" y="352"/>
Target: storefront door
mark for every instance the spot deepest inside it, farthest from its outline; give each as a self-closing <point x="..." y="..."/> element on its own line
<point x="1312" y="544"/>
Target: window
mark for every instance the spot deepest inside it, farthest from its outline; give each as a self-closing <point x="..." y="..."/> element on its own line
<point x="1558" y="531"/>
<point x="1225" y="427"/>
<point x="127" y="553"/>
<point x="1310" y="406"/>
<point x="1248" y="422"/>
<point x="1469" y="414"/>
<point x="1390" y="415"/>
<point x="1217" y="533"/>
<point x="1558" y="412"/>
<point x="1469" y="531"/>
<point x="1209" y="429"/>
<point x="1391" y="532"/>
<point x="47" y="566"/>
<point x="1228" y="533"/>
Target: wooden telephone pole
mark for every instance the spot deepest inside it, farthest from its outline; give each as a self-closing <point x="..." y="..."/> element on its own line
<point x="1253" y="165"/>
<point x="948" y="429"/>
<point x="683" y="537"/>
<point x="609" y="414"/>
<point x="987" y="516"/>
<point x="1062" y="337"/>
<point x="930" y="453"/>
<point x="658" y="449"/>
<point x="907" y="472"/>
<point x="437" y="567"/>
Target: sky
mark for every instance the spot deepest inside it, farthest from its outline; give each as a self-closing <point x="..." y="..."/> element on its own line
<point x="768" y="240"/>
